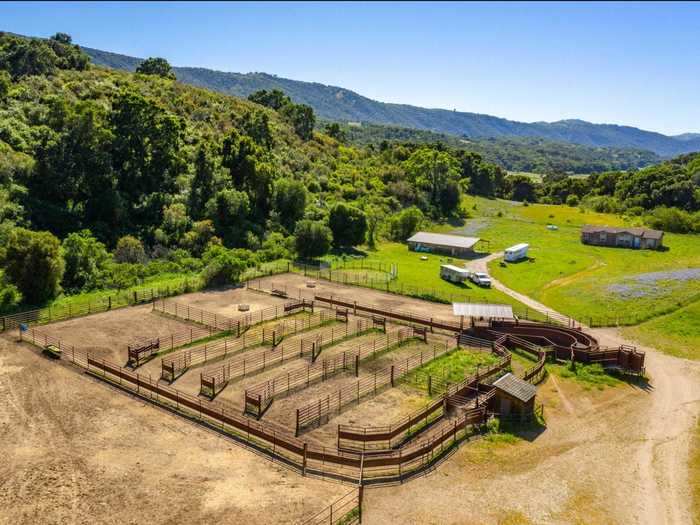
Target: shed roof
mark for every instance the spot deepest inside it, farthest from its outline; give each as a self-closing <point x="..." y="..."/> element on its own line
<point x="516" y="387"/>
<point x="442" y="239"/>
<point x="494" y="311"/>
<point x="646" y="233"/>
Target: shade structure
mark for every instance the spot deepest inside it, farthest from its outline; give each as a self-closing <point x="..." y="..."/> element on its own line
<point x="489" y="311"/>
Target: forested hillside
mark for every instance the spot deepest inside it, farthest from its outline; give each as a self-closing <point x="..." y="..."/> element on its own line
<point x="342" y="105"/>
<point x="109" y="178"/>
<point x="514" y="154"/>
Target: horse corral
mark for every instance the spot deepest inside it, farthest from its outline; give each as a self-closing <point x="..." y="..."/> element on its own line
<point x="318" y="377"/>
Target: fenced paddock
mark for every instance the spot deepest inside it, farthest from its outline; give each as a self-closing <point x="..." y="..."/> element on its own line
<point x="319" y="411"/>
<point x="109" y="334"/>
<point x="177" y="363"/>
<point x="259" y="397"/>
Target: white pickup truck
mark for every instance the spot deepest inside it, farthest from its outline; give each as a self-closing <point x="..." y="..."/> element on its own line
<point x="480" y="279"/>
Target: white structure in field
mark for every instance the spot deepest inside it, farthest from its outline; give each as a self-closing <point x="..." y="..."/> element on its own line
<point x="454" y="274"/>
<point x="516" y="253"/>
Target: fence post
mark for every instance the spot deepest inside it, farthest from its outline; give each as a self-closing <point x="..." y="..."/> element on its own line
<point x="357" y="365"/>
<point x="392" y="376"/>
<point x="296" y="434"/>
<point x="303" y="461"/>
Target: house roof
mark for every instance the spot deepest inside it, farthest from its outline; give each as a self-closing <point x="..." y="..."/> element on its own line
<point x="645" y="233"/>
<point x="516" y="387"/>
<point x="442" y="239"/>
<point x="492" y="311"/>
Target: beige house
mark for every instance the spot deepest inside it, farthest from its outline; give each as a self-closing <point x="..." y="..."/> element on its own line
<point x="639" y="238"/>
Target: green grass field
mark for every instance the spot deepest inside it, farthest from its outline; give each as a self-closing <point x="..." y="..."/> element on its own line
<point x="452" y="367"/>
<point x="677" y="333"/>
<point x="590" y="281"/>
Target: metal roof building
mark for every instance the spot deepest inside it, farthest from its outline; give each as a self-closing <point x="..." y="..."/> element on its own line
<point x="479" y="310"/>
<point x="441" y="242"/>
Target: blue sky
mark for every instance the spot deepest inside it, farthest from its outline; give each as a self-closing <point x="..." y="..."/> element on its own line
<point x="622" y="63"/>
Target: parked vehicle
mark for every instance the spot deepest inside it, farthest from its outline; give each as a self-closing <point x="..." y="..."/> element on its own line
<point x="480" y="279"/>
<point x="516" y="253"/>
<point x="453" y="274"/>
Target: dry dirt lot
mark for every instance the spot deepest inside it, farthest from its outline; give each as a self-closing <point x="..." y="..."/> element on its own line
<point x="78" y="451"/>
<point x="225" y="302"/>
<point x="106" y="335"/>
<point x="295" y="285"/>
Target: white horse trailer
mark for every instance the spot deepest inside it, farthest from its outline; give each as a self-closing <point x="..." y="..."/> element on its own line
<point x="454" y="274"/>
<point x="516" y="253"/>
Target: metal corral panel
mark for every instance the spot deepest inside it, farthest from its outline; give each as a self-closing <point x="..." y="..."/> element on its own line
<point x="494" y="311"/>
<point x="441" y="239"/>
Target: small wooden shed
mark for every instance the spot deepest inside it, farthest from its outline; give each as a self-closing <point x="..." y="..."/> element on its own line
<point x="514" y="396"/>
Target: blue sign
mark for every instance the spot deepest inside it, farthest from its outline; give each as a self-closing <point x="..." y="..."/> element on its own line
<point x="23" y="327"/>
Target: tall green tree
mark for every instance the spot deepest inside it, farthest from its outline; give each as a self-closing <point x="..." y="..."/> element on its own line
<point x="33" y="262"/>
<point x="312" y="239"/>
<point x="431" y="170"/>
<point x="289" y="201"/>
<point x="147" y="156"/>
<point x="229" y="210"/>
<point x="156" y="66"/>
<point x="87" y="262"/>
<point x="348" y="224"/>
<point x="202" y="188"/>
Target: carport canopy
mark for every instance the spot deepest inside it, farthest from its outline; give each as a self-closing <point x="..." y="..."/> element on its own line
<point x="481" y="310"/>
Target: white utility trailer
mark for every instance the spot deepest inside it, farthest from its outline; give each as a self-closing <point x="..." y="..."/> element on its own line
<point x="454" y="274"/>
<point x="516" y="253"/>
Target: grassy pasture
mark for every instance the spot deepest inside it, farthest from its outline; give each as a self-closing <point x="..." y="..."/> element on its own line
<point x="591" y="281"/>
<point x="677" y="333"/>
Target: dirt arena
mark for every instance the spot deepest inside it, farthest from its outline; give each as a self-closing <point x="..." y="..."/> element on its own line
<point x="77" y="450"/>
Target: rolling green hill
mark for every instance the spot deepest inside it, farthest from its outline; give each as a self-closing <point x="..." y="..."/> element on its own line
<point x="342" y="105"/>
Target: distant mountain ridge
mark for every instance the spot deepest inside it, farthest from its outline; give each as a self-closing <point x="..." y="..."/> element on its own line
<point x="340" y="104"/>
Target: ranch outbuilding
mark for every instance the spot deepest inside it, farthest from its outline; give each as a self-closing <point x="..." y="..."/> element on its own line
<point x="640" y="238"/>
<point x="514" y="396"/>
<point x="455" y="245"/>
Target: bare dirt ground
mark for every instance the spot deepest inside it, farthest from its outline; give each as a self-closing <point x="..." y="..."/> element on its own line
<point x="78" y="451"/>
<point x="225" y="302"/>
<point x="387" y="407"/>
<point x="106" y="335"/>
<point x="296" y="287"/>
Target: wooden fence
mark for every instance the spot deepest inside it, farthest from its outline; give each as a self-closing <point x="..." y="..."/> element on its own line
<point x="175" y="364"/>
<point x="318" y="412"/>
<point x="346" y="510"/>
<point x="271" y="440"/>
<point x="259" y="397"/>
<point x="214" y="380"/>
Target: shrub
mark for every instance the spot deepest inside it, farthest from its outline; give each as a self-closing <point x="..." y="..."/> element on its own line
<point x="312" y="238"/>
<point x="129" y="250"/>
<point x="572" y="200"/>
<point x="224" y="269"/>
<point x="670" y="219"/>
<point x="405" y="223"/>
